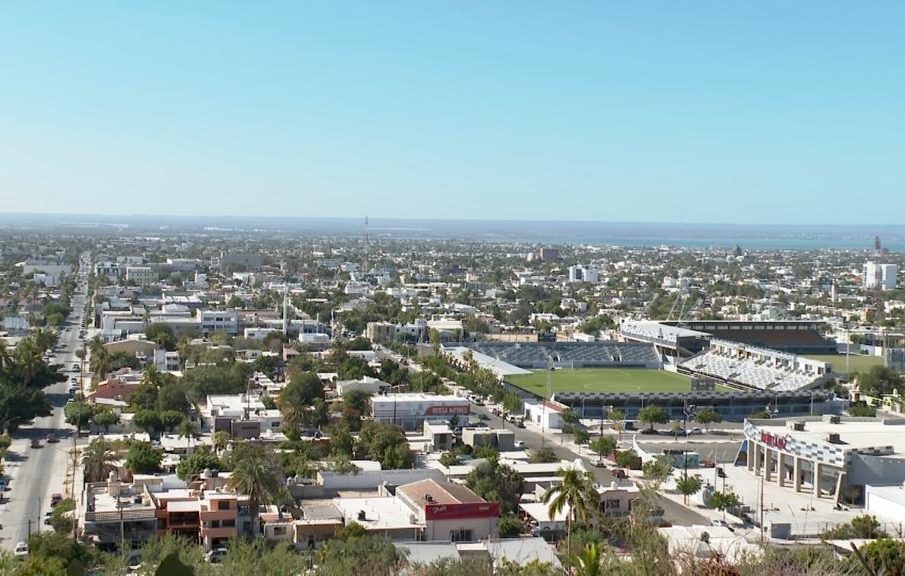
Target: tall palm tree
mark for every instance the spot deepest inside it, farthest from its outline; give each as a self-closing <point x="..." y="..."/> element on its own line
<point x="575" y="491"/>
<point x="188" y="430"/>
<point x="255" y="474"/>
<point x="97" y="460"/>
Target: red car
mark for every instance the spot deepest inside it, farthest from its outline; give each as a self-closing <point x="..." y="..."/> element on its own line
<point x="55" y="499"/>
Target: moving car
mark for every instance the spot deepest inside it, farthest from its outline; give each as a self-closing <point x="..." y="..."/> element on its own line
<point x="51" y="439"/>
<point x="76" y="368"/>
<point x="35" y="443"/>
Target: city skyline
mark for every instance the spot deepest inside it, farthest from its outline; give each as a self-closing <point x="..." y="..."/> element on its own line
<point x="709" y="113"/>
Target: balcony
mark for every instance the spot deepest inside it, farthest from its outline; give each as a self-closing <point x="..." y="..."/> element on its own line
<point x="124" y="515"/>
<point x="219" y="532"/>
<point x="210" y="515"/>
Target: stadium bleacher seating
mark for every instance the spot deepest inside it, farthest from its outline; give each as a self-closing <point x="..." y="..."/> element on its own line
<point x="571" y="354"/>
<point x="757" y="368"/>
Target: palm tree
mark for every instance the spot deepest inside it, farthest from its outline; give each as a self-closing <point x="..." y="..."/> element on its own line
<point x="576" y="492"/>
<point x="220" y="440"/>
<point x="256" y="475"/>
<point x="97" y="460"/>
<point x="188" y="430"/>
<point x="588" y="562"/>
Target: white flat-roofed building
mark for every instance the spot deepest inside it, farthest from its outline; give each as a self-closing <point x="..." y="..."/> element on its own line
<point x="219" y="321"/>
<point x="366" y="384"/>
<point x="141" y="275"/>
<point x="410" y="410"/>
<point x="829" y="456"/>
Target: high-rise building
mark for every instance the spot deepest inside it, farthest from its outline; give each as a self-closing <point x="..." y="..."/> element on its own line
<point x="579" y="273"/>
<point x="880" y="276"/>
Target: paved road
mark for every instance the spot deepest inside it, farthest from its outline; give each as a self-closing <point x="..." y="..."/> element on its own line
<point x="37" y="473"/>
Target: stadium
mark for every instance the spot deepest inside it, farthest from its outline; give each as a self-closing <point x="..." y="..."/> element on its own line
<point x="735" y="378"/>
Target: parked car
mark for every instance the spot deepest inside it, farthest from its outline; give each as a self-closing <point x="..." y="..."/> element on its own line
<point x="35" y="443"/>
<point x="619" y="473"/>
<point x="722" y="524"/>
<point x="51" y="439"/>
<point x="47" y="517"/>
<point x="76" y="368"/>
<point x="217" y="555"/>
<point x="55" y="499"/>
<point x="519" y="444"/>
<point x="695" y="430"/>
<point x="599" y="463"/>
<point x="21" y="550"/>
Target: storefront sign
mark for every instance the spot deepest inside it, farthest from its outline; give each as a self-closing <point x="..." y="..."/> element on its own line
<point x="774" y="440"/>
<point x="446" y="410"/>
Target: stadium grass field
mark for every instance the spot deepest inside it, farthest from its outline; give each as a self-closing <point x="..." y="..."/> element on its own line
<point x="857" y="362"/>
<point x="604" y="380"/>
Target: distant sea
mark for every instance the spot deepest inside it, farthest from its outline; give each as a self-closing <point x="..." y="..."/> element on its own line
<point x="747" y="236"/>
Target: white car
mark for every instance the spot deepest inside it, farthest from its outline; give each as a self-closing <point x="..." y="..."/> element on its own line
<point x="519" y="444"/>
<point x="21" y="549"/>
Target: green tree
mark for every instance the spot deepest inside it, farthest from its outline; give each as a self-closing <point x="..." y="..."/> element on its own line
<point x="78" y="414"/>
<point x="510" y="526"/>
<point x="163" y="335"/>
<point x="105" y="418"/>
<point x="297" y="398"/>
<point x="657" y="470"/>
<point x="883" y="557"/>
<point x="652" y="415"/>
<point x="371" y="555"/>
<point x="61" y="518"/>
<point x="603" y="445"/>
<point x="708" y="416"/>
<point x="589" y="562"/>
<point x="864" y="526"/>
<point x="626" y="458"/>
<point x="171" y="419"/>
<point x="384" y="443"/>
<point x="256" y="473"/>
<point x="220" y="440"/>
<point x="188" y="430"/>
<point x="575" y="491"/>
<point x="98" y="460"/>
<point x="880" y="380"/>
<point x="497" y="482"/>
<point x="149" y="421"/>
<point x="199" y="460"/>
<point x="543" y="455"/>
<point x="689" y="485"/>
<point x="142" y="458"/>
<point x="724" y="501"/>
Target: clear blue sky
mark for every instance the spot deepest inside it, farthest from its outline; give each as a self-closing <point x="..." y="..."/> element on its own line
<point x="755" y="112"/>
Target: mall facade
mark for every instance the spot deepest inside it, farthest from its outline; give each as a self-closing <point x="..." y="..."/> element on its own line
<point x="829" y="456"/>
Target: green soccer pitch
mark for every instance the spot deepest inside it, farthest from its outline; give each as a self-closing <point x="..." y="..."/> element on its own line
<point x="636" y="380"/>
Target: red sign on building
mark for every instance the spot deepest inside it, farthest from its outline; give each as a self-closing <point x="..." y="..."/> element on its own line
<point x="446" y="410"/>
<point x="774" y="440"/>
<point x="461" y="511"/>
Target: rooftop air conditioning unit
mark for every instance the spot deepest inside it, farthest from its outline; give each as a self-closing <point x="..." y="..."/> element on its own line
<point x="833" y="438"/>
<point x="798" y="426"/>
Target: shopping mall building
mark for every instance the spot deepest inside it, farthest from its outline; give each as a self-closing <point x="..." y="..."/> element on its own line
<point x="829" y="456"/>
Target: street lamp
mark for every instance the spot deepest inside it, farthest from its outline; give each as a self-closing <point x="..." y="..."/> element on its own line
<point x="688" y="411"/>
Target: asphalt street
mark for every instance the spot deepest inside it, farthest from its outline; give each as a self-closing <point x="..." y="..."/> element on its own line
<point x="35" y="474"/>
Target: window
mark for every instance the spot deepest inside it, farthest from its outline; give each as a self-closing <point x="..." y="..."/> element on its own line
<point x="279" y="531"/>
<point x="229" y="523"/>
<point x="213" y="524"/>
<point x="223" y="505"/>
<point x="461" y="535"/>
<point x="611" y="504"/>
